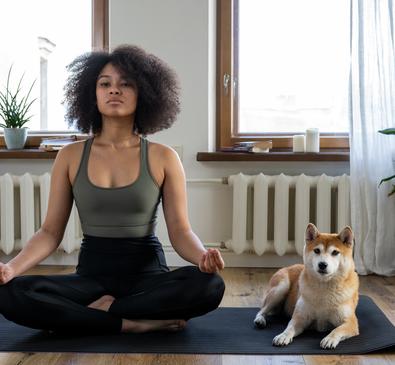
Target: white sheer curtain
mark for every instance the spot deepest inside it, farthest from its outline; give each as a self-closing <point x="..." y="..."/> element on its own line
<point x="372" y="108"/>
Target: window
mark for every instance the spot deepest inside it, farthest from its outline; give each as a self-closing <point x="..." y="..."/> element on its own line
<point x="48" y="36"/>
<point x="282" y="67"/>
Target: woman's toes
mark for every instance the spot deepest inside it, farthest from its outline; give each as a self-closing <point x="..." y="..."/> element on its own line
<point x="182" y="323"/>
<point x="177" y="325"/>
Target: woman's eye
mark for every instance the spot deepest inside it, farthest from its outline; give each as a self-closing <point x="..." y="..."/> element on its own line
<point x="127" y="84"/>
<point x="317" y="251"/>
<point x="335" y="253"/>
<point x="104" y="84"/>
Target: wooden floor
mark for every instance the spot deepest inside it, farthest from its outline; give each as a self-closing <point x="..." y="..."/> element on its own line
<point x="244" y="287"/>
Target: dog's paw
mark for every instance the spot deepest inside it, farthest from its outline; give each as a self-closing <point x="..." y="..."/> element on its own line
<point x="283" y="339"/>
<point x="260" y="320"/>
<point x="329" y="342"/>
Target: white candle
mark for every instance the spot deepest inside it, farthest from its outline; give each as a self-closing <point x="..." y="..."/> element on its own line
<point x="298" y="143"/>
<point x="312" y="140"/>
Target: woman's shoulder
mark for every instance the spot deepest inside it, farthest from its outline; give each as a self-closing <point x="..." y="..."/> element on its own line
<point x="71" y="152"/>
<point x="164" y="158"/>
<point x="74" y="148"/>
<point x="162" y="151"/>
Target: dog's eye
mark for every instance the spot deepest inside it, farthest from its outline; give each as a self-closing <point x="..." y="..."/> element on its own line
<point x="335" y="253"/>
<point x="317" y="251"/>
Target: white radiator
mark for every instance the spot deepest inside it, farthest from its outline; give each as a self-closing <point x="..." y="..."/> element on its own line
<point x="23" y="207"/>
<point x="265" y="208"/>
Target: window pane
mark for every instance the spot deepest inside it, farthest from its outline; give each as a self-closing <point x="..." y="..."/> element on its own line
<point x="293" y="65"/>
<point x="40" y="38"/>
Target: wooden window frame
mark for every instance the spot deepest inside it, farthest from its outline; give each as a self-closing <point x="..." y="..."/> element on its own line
<point x="227" y="104"/>
<point x="100" y="41"/>
<point x="100" y="25"/>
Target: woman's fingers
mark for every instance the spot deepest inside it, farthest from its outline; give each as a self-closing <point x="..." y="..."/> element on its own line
<point x="5" y="273"/>
<point x="219" y="260"/>
<point x="211" y="261"/>
<point x="217" y="263"/>
<point x="208" y="262"/>
<point x="202" y="263"/>
<point x="2" y="273"/>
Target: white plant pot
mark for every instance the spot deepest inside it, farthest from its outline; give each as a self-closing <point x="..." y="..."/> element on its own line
<point x="15" y="138"/>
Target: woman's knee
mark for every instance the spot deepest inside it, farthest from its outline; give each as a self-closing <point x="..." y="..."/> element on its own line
<point x="14" y="292"/>
<point x="9" y="293"/>
<point x="4" y="298"/>
<point x="216" y="287"/>
<point x="21" y="283"/>
<point x="211" y="287"/>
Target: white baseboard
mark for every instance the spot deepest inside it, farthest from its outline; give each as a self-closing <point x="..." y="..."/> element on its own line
<point x="174" y="260"/>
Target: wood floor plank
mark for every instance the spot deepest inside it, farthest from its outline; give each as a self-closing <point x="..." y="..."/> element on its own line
<point x="12" y="358"/>
<point x="350" y="359"/>
<point x="245" y="287"/>
<point x="262" y="360"/>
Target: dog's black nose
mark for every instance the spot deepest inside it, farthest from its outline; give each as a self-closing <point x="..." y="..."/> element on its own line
<point x="322" y="265"/>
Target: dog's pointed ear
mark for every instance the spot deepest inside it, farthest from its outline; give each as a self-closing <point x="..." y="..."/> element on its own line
<point x="311" y="232"/>
<point x="346" y="236"/>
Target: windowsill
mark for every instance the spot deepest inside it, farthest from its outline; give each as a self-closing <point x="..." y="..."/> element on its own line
<point x="27" y="153"/>
<point x="277" y="155"/>
<point x="274" y="155"/>
<point x="31" y="150"/>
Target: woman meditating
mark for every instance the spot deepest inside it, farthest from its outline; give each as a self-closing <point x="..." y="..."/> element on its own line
<point x="117" y="179"/>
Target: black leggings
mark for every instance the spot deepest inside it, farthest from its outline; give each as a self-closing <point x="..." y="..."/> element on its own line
<point x="133" y="270"/>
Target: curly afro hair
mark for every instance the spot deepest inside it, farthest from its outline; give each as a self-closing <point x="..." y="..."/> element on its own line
<point x="157" y="85"/>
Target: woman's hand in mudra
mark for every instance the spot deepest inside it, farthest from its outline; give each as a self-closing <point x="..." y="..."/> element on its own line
<point x="211" y="261"/>
<point x="6" y="273"/>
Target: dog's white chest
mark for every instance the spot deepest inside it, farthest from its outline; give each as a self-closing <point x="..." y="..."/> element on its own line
<point x="325" y="315"/>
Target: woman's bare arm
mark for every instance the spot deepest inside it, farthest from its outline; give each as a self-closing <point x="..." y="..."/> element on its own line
<point x="174" y="201"/>
<point x="39" y="246"/>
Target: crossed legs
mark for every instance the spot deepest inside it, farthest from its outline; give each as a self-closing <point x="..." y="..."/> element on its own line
<point x="70" y="302"/>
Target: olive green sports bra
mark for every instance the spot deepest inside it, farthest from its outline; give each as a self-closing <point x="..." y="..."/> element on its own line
<point x="126" y="211"/>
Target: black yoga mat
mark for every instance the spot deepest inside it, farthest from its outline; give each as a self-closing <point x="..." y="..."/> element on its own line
<point x="223" y="331"/>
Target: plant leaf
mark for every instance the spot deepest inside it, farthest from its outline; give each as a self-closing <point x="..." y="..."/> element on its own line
<point x="8" y="77"/>
<point x="388" y="131"/>
<point x="387" y="179"/>
<point x="13" y="106"/>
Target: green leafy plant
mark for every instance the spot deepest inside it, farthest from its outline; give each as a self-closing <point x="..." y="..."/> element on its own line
<point x="14" y="107"/>
<point x="388" y="131"/>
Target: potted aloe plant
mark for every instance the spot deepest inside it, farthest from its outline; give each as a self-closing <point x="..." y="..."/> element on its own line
<point x="13" y="110"/>
<point x="388" y="131"/>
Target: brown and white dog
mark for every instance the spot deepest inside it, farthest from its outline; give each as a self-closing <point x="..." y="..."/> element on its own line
<point x="321" y="294"/>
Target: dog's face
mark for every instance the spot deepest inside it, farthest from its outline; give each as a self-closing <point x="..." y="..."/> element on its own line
<point x="327" y="255"/>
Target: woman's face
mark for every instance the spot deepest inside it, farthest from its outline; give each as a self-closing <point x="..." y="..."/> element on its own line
<point x="116" y="96"/>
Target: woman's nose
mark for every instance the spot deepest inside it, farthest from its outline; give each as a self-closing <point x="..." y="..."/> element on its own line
<point x="114" y="89"/>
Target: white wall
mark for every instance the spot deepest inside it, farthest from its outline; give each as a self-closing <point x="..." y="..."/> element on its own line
<point x="182" y="32"/>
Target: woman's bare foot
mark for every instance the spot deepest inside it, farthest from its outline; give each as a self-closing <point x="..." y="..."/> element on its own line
<point x="147" y="325"/>
<point x="102" y="303"/>
<point x="139" y="325"/>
